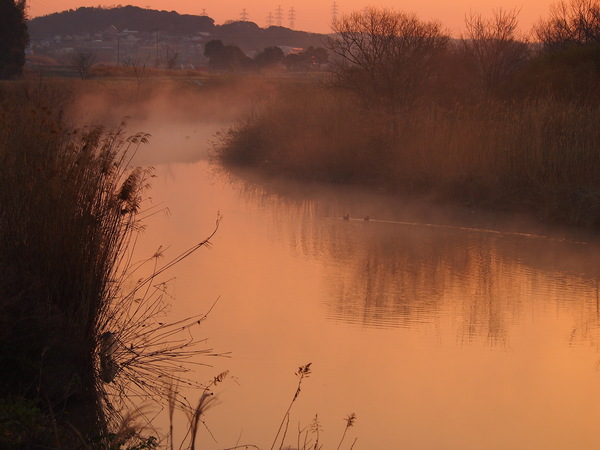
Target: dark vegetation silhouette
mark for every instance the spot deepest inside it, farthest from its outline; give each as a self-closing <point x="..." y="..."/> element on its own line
<point x="310" y="58"/>
<point x="84" y="342"/>
<point x="14" y="38"/>
<point x="98" y="19"/>
<point x="79" y="339"/>
<point x="231" y="58"/>
<point x="225" y="57"/>
<point x="491" y="47"/>
<point x="83" y="62"/>
<point x="246" y="35"/>
<point x="573" y="23"/>
<point x="385" y="56"/>
<point x="489" y="120"/>
<point x="270" y="56"/>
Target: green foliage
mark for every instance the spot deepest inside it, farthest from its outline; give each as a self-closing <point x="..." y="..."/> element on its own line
<point x="14" y="38"/>
<point x="23" y="424"/>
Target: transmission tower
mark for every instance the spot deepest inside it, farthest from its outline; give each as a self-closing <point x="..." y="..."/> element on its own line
<point x="334" y="12"/>
<point x="292" y="17"/>
<point x="244" y="15"/>
<point x="203" y="12"/>
<point x="270" y="20"/>
<point x="279" y="15"/>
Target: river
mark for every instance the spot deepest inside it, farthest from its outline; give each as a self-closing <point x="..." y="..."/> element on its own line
<point x="439" y="329"/>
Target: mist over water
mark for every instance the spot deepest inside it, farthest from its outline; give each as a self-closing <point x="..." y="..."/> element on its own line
<point x="435" y="336"/>
<point x="439" y="327"/>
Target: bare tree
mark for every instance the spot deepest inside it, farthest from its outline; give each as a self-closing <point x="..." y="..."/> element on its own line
<point x="384" y="55"/>
<point x="171" y="59"/>
<point x="83" y="62"/>
<point x="491" y="47"/>
<point x="139" y="67"/>
<point x="577" y="22"/>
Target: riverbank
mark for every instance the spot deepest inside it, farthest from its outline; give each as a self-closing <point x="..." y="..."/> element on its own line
<point x="64" y="226"/>
<point x="80" y="346"/>
<point x="537" y="155"/>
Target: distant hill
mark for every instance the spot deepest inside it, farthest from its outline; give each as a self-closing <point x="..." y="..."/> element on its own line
<point x="249" y="36"/>
<point x="95" y="20"/>
<point x="89" y="20"/>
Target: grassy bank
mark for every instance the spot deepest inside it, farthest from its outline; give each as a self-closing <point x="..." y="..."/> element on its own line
<point x="539" y="154"/>
<point x="69" y="203"/>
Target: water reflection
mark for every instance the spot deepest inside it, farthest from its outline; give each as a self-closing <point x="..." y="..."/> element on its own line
<point x="436" y="336"/>
<point x="419" y="270"/>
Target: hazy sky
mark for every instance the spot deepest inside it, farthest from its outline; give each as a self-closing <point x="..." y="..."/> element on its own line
<point x="315" y="15"/>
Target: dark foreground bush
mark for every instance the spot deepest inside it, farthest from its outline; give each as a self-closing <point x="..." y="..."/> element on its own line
<point x="68" y="202"/>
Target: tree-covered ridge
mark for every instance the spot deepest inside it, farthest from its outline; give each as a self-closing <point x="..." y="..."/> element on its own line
<point x="248" y="36"/>
<point x="97" y="19"/>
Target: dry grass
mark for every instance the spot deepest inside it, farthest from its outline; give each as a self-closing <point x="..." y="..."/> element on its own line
<point x="69" y="206"/>
<point x="539" y="155"/>
<point x="79" y="338"/>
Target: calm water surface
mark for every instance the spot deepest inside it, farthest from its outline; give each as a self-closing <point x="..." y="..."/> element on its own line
<point x="437" y="336"/>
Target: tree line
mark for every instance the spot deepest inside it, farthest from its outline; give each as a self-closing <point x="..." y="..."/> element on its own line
<point x="14" y="38"/>
<point x="232" y="58"/>
<point x="392" y="57"/>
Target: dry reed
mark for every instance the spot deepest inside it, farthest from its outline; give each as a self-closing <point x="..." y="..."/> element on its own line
<point x="74" y="340"/>
<point x="538" y="155"/>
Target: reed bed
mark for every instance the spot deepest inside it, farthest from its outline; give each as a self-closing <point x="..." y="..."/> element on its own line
<point x="80" y="338"/>
<point x="84" y="345"/>
<point x="539" y="155"/>
<point x="69" y="206"/>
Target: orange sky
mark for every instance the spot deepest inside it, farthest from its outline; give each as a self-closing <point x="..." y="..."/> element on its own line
<point x="315" y="15"/>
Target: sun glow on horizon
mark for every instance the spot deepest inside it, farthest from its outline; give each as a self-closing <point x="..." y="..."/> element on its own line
<point x="315" y="16"/>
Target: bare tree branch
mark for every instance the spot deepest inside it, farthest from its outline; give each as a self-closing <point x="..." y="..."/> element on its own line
<point x="384" y="55"/>
<point x="83" y="62"/>
<point x="574" y="23"/>
<point x="491" y="47"/>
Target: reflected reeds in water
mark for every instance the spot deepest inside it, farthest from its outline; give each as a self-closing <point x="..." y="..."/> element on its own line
<point x="416" y="267"/>
<point x="487" y="339"/>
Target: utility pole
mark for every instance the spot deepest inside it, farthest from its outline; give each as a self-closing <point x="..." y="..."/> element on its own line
<point x="279" y="15"/>
<point x="157" y="58"/>
<point x="292" y="17"/>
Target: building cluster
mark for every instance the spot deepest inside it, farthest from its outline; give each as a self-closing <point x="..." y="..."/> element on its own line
<point x="113" y="47"/>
